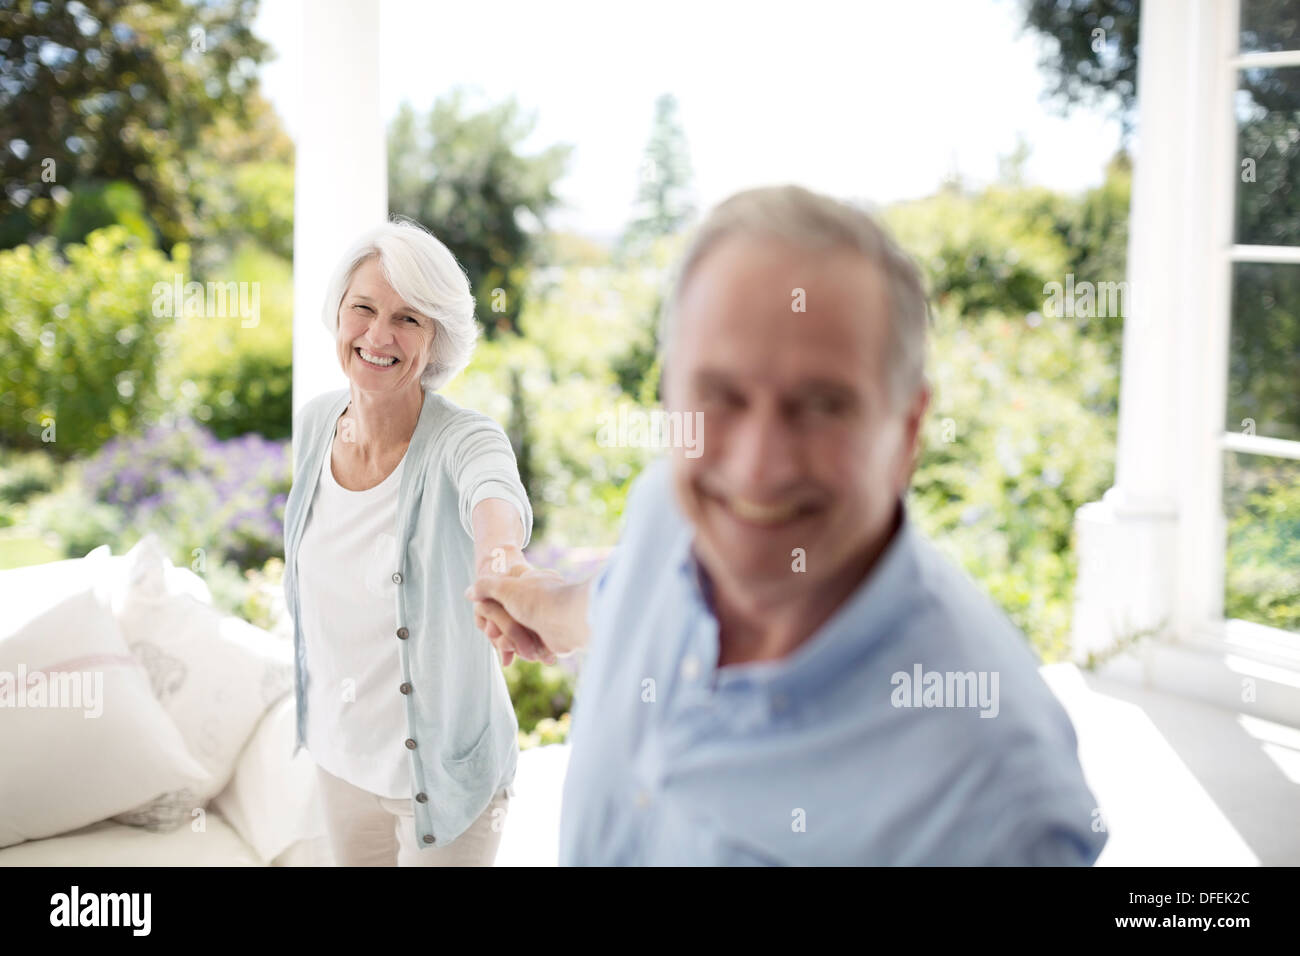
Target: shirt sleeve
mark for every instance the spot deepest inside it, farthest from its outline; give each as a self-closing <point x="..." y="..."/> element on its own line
<point x="1060" y="846"/>
<point x="483" y="466"/>
<point x="1054" y="823"/>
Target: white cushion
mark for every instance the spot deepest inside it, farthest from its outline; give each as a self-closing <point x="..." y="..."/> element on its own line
<point x="273" y="800"/>
<point x="213" y="673"/>
<point x="33" y="589"/>
<point x="206" y="841"/>
<point x="67" y="766"/>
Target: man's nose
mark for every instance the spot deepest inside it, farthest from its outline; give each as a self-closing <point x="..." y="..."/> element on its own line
<point x="763" y="451"/>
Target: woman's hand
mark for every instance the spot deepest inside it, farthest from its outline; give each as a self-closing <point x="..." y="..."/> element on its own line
<point x="498" y="533"/>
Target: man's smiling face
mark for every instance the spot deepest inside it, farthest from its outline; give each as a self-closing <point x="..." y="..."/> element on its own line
<point x="801" y="446"/>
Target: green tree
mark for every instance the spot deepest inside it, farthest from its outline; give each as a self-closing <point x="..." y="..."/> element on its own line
<point x="461" y="173"/>
<point x="242" y="176"/>
<point x="664" y="208"/>
<point x="1091" y="53"/>
<point x="95" y="91"/>
<point x="663" y="201"/>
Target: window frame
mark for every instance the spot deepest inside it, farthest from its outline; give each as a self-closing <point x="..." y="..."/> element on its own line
<point x="1203" y="592"/>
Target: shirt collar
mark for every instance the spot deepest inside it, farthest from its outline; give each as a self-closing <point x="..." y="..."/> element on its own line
<point x="857" y="624"/>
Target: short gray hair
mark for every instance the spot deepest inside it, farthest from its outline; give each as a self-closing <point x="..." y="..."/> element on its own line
<point x="427" y="276"/>
<point x="816" y="222"/>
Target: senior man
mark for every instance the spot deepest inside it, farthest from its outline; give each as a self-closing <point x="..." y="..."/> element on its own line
<point x="781" y="669"/>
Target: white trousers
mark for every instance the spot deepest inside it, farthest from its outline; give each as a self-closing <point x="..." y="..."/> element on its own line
<point x="366" y="829"/>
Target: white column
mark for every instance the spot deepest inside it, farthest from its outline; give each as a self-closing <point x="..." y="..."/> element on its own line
<point x="1133" y="545"/>
<point x="341" y="174"/>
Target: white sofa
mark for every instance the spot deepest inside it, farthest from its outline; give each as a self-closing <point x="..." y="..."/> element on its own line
<point x="140" y="726"/>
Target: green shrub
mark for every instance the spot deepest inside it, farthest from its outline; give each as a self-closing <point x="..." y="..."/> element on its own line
<point x="1013" y="448"/>
<point x="539" y="692"/>
<point x="577" y="326"/>
<point x="25" y="474"/>
<point x="1262" y="500"/>
<point x="99" y="205"/>
<point x="232" y="373"/>
<point x="80" y="344"/>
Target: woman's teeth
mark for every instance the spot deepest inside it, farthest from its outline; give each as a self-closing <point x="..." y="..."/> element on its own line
<point x="382" y="360"/>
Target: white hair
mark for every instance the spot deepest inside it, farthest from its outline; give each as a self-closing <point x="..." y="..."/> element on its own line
<point x="819" y="223"/>
<point x="427" y="276"/>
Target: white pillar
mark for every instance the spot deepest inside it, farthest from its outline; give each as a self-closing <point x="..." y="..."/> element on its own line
<point x="341" y="174"/>
<point x="1141" y="546"/>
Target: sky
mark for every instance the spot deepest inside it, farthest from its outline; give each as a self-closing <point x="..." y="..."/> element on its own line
<point x="872" y="100"/>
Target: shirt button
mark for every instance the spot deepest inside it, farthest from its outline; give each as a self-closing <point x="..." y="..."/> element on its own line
<point x="397" y="577"/>
<point x="780" y="702"/>
<point x="403" y="633"/>
<point x="405" y="688"/>
<point x="690" y="668"/>
<point x="428" y="838"/>
<point x="642" y="799"/>
<point x="410" y="744"/>
<point x="421" y="797"/>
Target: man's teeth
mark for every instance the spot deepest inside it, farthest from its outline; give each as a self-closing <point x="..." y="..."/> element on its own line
<point x="764" y="514"/>
<point x="376" y="359"/>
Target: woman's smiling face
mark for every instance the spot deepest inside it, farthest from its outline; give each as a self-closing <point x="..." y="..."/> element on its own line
<point x="396" y="340"/>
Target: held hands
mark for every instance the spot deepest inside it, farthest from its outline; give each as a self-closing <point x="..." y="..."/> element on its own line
<point x="513" y="606"/>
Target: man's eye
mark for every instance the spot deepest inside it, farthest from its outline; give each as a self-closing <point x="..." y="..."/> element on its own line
<point x="412" y="319"/>
<point x="826" y="406"/>
<point x="719" y="399"/>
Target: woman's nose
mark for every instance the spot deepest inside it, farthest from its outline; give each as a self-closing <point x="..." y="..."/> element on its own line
<point x="378" y="331"/>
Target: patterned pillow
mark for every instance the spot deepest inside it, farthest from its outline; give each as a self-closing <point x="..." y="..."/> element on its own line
<point x="214" y="674"/>
<point x="82" y="736"/>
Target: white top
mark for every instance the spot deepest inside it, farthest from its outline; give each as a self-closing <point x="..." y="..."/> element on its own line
<point x="356" y="715"/>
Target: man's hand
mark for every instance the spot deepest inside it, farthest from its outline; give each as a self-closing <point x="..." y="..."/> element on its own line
<point x="530" y="612"/>
<point x="506" y="636"/>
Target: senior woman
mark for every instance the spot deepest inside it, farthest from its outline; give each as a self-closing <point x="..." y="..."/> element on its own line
<point x="400" y="499"/>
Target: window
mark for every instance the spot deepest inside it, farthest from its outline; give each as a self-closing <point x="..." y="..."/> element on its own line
<point x="1261" y="467"/>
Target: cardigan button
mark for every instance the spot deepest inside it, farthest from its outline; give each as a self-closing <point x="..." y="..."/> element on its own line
<point x="397" y="577"/>
<point x="405" y="688"/>
<point x="410" y="744"/>
<point x="421" y="797"/>
<point x="403" y="633"/>
<point x="428" y="838"/>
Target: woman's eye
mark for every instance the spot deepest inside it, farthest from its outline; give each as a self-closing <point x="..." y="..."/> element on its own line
<point x="363" y="307"/>
<point x="412" y="320"/>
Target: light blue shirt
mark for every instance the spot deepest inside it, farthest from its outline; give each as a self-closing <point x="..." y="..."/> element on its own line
<point x="835" y="754"/>
<point x="463" y="744"/>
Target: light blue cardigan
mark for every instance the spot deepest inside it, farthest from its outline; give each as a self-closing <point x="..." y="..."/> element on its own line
<point x="463" y="744"/>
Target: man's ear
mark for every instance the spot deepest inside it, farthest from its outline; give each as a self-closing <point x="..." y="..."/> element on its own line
<point x="912" y="420"/>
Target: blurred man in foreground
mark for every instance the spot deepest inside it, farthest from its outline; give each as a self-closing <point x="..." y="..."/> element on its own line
<point x="781" y="669"/>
